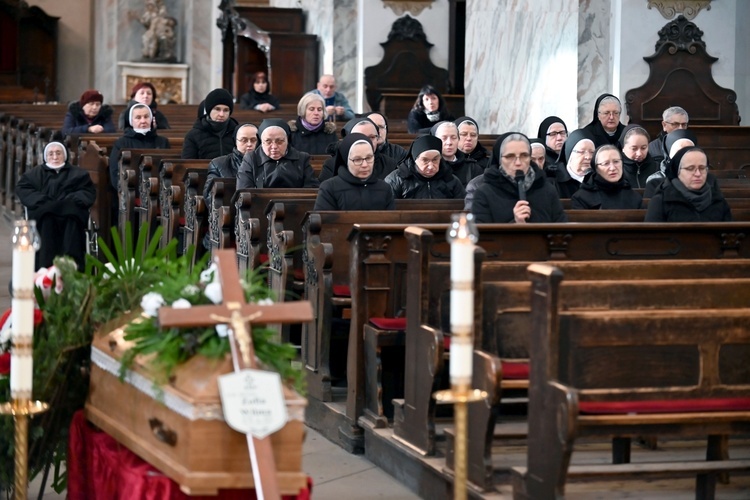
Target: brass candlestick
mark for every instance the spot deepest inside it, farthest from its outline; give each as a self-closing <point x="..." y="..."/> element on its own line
<point x="22" y="409"/>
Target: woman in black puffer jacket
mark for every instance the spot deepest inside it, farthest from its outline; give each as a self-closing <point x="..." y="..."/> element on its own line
<point x="212" y="134"/>
<point x="355" y="187"/>
<point x="424" y="174"/>
<point x="605" y="187"/>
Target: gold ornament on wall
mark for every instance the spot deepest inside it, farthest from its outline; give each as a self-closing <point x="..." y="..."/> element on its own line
<point x="168" y="90"/>
<point x="415" y="7"/>
<point x="688" y="8"/>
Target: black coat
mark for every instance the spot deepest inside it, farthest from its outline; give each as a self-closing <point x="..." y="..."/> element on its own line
<point x="408" y="183"/>
<point x="471" y="189"/>
<point x="564" y="183"/>
<point x="418" y="123"/>
<point x="314" y="142"/>
<point x="124" y="122"/>
<point x="465" y="168"/>
<point x="595" y="128"/>
<point x="657" y="149"/>
<point x="225" y="166"/>
<point x="597" y="194"/>
<point x="132" y="140"/>
<point x="76" y="122"/>
<point x="293" y="170"/>
<point x="495" y="199"/>
<point x="346" y="192"/>
<point x="637" y="173"/>
<point x="383" y="166"/>
<point x="669" y="205"/>
<point x="481" y="156"/>
<point x="202" y="142"/>
<point x="252" y="98"/>
<point x="394" y="151"/>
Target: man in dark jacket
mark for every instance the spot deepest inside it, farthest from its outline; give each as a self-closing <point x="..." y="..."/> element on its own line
<point x="672" y="119"/>
<point x="424" y="174"/>
<point x="212" y="134"/>
<point x="464" y="167"/>
<point x="384" y="147"/>
<point x="142" y="135"/>
<point x="58" y="196"/>
<point x="499" y="198"/>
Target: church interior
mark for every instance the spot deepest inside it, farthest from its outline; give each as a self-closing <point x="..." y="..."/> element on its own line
<point x="603" y="353"/>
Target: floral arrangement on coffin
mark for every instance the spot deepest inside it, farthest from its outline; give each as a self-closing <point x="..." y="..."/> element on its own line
<point x="73" y="304"/>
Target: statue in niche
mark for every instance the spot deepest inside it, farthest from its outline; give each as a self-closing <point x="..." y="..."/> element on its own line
<point x="159" y="39"/>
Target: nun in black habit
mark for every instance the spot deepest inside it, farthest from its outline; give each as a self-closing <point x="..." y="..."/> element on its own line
<point x="605" y="127"/>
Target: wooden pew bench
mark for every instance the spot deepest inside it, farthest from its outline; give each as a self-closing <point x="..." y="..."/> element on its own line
<point x="172" y="195"/>
<point x="660" y="371"/>
<point x="196" y="212"/>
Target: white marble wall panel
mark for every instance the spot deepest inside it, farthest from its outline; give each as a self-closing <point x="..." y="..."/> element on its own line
<point x="596" y="28"/>
<point x="521" y="63"/>
<point x="203" y="49"/>
<point x="105" y="49"/>
<point x="345" y="49"/>
<point x="742" y="62"/>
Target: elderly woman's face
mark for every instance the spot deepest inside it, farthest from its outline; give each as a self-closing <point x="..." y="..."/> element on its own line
<point x="144" y="95"/>
<point x="556" y="135"/>
<point x="636" y="147"/>
<point x="693" y="170"/>
<point x="274" y="142"/>
<point x="431" y="102"/>
<point x="55" y="155"/>
<point x="361" y="159"/>
<point x="609" y="165"/>
<point x="580" y="158"/>
<point x="369" y="130"/>
<point x="515" y="156"/>
<point x="428" y="163"/>
<point x="538" y="154"/>
<point x="609" y="115"/>
<point x="247" y="139"/>
<point x="467" y="137"/>
<point x="314" y="112"/>
<point x="449" y="135"/>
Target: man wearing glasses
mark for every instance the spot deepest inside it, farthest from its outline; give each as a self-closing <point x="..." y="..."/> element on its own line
<point x="673" y="118"/>
<point x="606" y="127"/>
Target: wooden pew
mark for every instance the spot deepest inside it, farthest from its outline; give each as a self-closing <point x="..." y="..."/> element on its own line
<point x="172" y="195"/>
<point x="196" y="213"/>
<point x="221" y="214"/>
<point x="597" y="373"/>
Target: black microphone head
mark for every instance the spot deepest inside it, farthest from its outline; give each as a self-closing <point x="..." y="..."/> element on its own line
<point x="520" y="175"/>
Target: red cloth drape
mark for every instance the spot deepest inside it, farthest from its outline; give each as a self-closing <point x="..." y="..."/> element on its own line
<point x="99" y="468"/>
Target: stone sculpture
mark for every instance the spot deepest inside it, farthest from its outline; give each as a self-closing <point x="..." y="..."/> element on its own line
<point x="159" y="39"/>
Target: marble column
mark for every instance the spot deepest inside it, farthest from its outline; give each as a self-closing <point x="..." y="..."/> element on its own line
<point x="595" y="66"/>
<point x="345" y="45"/>
<point x="521" y="63"/>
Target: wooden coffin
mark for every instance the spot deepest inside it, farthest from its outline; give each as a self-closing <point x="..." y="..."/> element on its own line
<point x="181" y="431"/>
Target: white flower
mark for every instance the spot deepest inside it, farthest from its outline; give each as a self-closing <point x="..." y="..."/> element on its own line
<point x="209" y="275"/>
<point x="213" y="292"/>
<point x="268" y="301"/>
<point x="182" y="304"/>
<point x="190" y="290"/>
<point x="222" y="330"/>
<point x="151" y="302"/>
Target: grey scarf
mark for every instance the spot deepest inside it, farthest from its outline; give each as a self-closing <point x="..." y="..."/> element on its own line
<point x="528" y="179"/>
<point x="700" y="199"/>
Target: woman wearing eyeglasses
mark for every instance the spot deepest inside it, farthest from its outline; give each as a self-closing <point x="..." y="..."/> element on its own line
<point x="606" y="128"/>
<point x="275" y="164"/>
<point x="686" y="196"/>
<point x="553" y="132"/>
<point x="424" y="175"/>
<point x="514" y="189"/>
<point x="605" y="188"/>
<point x="355" y="186"/>
<point x="245" y="141"/>
<point x="574" y="162"/>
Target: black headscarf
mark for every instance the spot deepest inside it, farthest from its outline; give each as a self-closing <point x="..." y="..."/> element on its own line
<point x="596" y="129"/>
<point x="495" y="158"/>
<point x="675" y="136"/>
<point x="274" y="122"/>
<point x="342" y="152"/>
<point x="546" y="124"/>
<point x="347" y="128"/>
<point x="573" y="138"/>
<point x="424" y="143"/>
<point x="673" y="168"/>
<point x="627" y="129"/>
<point x="469" y="119"/>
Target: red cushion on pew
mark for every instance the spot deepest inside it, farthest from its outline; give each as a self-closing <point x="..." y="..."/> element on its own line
<point x="666" y="406"/>
<point x="263" y="258"/>
<point x="342" y="291"/>
<point x="299" y="274"/>
<point x="516" y="371"/>
<point x="389" y="323"/>
<point x="137" y="202"/>
<point x="182" y="221"/>
<point x="447" y="342"/>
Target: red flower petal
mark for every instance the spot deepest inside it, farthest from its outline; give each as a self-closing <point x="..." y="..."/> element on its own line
<point x="5" y="363"/>
<point x="38" y="317"/>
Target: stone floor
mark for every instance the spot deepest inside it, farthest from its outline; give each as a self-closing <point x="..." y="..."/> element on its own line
<point x="335" y="473"/>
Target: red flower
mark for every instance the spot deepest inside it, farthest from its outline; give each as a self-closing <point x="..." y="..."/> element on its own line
<point x="38" y="317"/>
<point x="5" y="363"/>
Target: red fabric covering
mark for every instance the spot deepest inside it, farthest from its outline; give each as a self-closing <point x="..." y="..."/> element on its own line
<point x="515" y="371"/>
<point x="181" y="221"/>
<point x="99" y="468"/>
<point x="389" y="323"/>
<point x="342" y="291"/>
<point x="666" y="406"/>
<point x="446" y="342"/>
<point x="299" y="274"/>
<point x="5" y="363"/>
<point x="137" y="202"/>
<point x="263" y="258"/>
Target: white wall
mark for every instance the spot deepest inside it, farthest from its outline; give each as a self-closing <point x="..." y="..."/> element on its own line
<point x="742" y="62"/>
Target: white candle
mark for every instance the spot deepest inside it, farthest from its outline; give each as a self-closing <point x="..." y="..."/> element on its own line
<point x="25" y="243"/>
<point x="462" y="261"/>
<point x="462" y="309"/>
<point x="23" y="269"/>
<point x="461" y="363"/>
<point x="21" y="371"/>
<point x="22" y="319"/>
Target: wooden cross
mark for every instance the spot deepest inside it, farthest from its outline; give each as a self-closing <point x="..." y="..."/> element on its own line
<point x="238" y="313"/>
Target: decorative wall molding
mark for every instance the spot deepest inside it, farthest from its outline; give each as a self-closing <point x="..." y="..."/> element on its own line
<point x="415" y="7"/>
<point x="688" y="8"/>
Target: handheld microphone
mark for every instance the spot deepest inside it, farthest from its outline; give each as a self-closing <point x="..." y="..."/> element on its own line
<point x="520" y="176"/>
